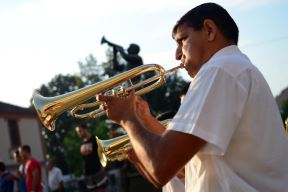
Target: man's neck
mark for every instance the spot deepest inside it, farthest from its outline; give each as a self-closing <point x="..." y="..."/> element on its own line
<point x="28" y="158"/>
<point x="217" y="47"/>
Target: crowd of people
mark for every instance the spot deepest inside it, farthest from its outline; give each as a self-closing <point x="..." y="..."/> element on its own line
<point x="29" y="174"/>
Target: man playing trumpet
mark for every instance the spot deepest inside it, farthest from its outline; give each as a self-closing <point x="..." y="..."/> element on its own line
<point x="228" y="132"/>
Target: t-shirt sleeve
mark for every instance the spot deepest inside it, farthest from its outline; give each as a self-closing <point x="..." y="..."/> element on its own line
<point x="211" y="109"/>
<point x="34" y="165"/>
<point x="59" y="175"/>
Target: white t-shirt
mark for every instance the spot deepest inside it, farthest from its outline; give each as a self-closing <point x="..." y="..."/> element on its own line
<point x="54" y="178"/>
<point x="174" y="185"/>
<point x="230" y="106"/>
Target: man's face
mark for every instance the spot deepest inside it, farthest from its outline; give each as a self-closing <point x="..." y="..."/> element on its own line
<point x="17" y="157"/>
<point x="80" y="132"/>
<point x="49" y="166"/>
<point x="190" y="48"/>
<point x="23" y="154"/>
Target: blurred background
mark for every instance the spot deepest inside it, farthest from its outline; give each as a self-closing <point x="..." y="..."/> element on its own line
<point x="54" y="46"/>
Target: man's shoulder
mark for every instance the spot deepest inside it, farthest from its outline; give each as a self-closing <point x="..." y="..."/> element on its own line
<point x="33" y="163"/>
<point x="57" y="169"/>
<point x="34" y="160"/>
<point x="232" y="64"/>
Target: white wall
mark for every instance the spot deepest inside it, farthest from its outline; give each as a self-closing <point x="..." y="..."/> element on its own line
<point x="5" y="144"/>
<point x="30" y="135"/>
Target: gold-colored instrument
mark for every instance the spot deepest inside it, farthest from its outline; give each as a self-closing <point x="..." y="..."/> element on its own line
<point x="50" y="108"/>
<point x="113" y="149"/>
<point x="116" y="148"/>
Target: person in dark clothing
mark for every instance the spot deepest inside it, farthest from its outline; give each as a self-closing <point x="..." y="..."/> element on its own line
<point x="95" y="177"/>
<point x="6" y="179"/>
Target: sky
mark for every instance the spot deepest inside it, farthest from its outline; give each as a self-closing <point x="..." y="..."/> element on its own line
<point x="42" y="38"/>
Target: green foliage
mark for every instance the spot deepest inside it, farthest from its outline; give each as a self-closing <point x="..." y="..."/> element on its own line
<point x="63" y="144"/>
<point x="166" y="97"/>
<point x="284" y="110"/>
<point x="90" y="72"/>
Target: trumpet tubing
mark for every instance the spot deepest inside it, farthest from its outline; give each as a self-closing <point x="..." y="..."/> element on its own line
<point x="50" y="108"/>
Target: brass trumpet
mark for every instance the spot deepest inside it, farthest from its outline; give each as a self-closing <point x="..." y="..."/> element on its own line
<point x="116" y="148"/>
<point x="49" y="108"/>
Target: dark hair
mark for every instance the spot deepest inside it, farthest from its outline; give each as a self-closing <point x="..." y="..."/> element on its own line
<point x="51" y="161"/>
<point x="83" y="126"/>
<point x="196" y="16"/>
<point x="2" y="166"/>
<point x="165" y="115"/>
<point x="26" y="148"/>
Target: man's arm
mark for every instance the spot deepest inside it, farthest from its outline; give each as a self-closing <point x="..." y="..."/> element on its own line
<point x="36" y="179"/>
<point x="141" y="169"/>
<point x="61" y="186"/>
<point x="160" y="156"/>
<point x="147" y="119"/>
<point x="128" y="57"/>
<point x="60" y="179"/>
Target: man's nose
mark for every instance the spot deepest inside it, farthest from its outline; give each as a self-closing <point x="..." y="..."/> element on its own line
<point x="178" y="53"/>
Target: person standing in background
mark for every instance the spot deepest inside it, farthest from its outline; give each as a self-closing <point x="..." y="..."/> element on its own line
<point x="32" y="170"/>
<point x="21" y="186"/>
<point x="95" y="176"/>
<point x="6" y="179"/>
<point x="55" y="178"/>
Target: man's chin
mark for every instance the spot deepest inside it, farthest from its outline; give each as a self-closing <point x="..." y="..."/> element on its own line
<point x="190" y="73"/>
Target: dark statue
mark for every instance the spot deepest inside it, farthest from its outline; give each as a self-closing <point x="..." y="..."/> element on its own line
<point x="131" y="57"/>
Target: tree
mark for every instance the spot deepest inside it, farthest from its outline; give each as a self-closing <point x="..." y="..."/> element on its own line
<point x="59" y="85"/>
<point x="166" y="97"/>
<point x="63" y="143"/>
<point x="284" y="111"/>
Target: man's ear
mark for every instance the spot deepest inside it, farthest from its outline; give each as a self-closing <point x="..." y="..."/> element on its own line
<point x="210" y="29"/>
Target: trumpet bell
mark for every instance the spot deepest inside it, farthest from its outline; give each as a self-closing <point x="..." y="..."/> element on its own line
<point x="103" y="40"/>
<point x="113" y="149"/>
<point x="117" y="148"/>
<point x="44" y="108"/>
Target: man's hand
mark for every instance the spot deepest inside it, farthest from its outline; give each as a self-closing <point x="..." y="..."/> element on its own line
<point x="119" y="109"/>
<point x="142" y="109"/>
